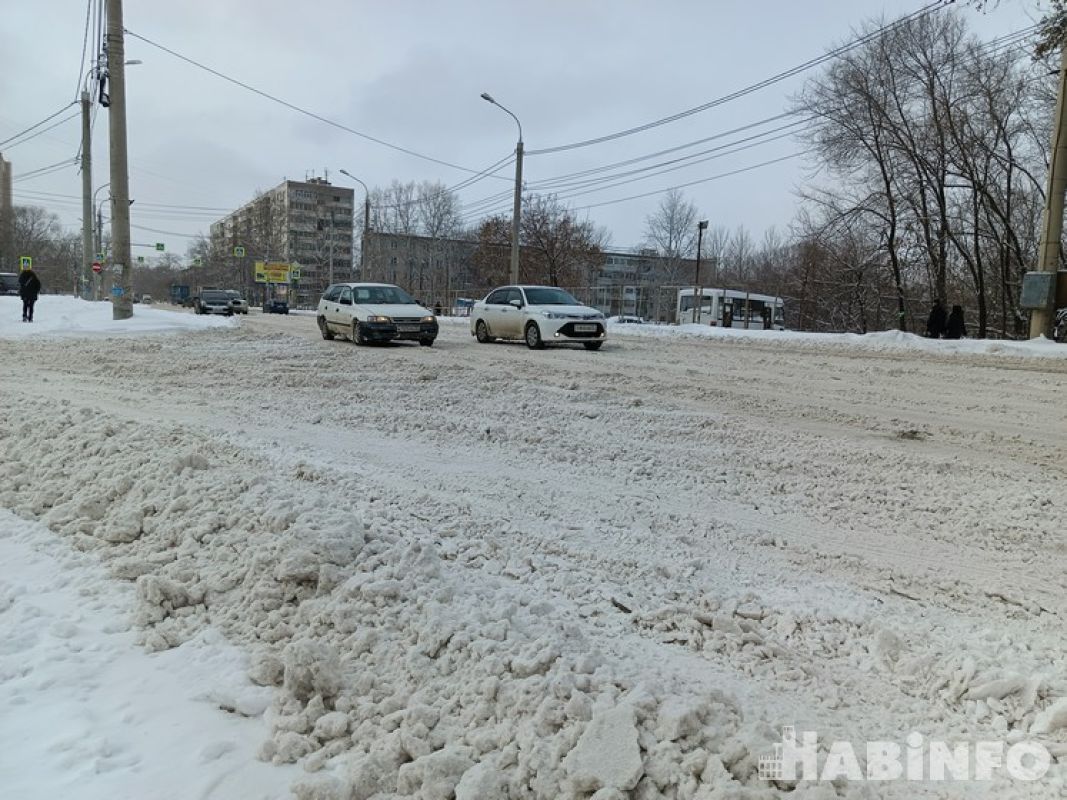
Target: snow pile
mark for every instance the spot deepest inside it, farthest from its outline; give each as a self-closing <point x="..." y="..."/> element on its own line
<point x="88" y="716"/>
<point x="880" y="342"/>
<point x="399" y="662"/>
<point x="61" y="315"/>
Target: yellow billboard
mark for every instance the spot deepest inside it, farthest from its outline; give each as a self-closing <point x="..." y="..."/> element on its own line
<point x="271" y="272"/>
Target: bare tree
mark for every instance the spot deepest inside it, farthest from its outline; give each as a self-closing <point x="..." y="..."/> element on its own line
<point x="672" y="232"/>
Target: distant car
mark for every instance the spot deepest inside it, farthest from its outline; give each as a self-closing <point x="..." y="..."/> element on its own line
<point x="625" y="319"/>
<point x="374" y="312"/>
<point x="147" y="299"/>
<point x="238" y="303"/>
<point x="539" y="315"/>
<point x="9" y="283"/>
<point x="276" y="305"/>
<point x="213" y="301"/>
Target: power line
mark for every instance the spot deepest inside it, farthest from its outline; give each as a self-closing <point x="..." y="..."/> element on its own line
<point x="42" y="171"/>
<point x="694" y="183"/>
<point x="85" y="46"/>
<point x="300" y="110"/>
<point x="781" y="76"/>
<point x="37" y="124"/>
<point x="35" y="134"/>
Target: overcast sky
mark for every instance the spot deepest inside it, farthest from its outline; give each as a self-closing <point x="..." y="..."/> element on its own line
<point x="410" y="73"/>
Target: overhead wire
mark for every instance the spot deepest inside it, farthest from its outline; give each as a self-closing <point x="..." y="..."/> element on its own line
<point x="300" y="110"/>
<point x="813" y="62"/>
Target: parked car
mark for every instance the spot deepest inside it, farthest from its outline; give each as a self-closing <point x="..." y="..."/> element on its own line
<point x="627" y="319"/>
<point x="374" y="312"/>
<point x="539" y="315"/>
<point x="213" y="301"/>
<point x="276" y="305"/>
<point x="9" y="283"/>
<point x="238" y="303"/>
<point x="147" y="299"/>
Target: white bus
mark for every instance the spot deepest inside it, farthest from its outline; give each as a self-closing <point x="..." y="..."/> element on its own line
<point x="731" y="309"/>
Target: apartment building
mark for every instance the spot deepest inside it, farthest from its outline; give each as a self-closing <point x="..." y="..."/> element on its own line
<point x="306" y="223"/>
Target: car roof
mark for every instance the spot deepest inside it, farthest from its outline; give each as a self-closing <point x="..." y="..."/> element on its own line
<point x="368" y="285"/>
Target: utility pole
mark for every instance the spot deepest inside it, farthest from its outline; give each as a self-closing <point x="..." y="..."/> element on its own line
<point x="517" y="210"/>
<point x="1052" y="222"/>
<point x="87" y="197"/>
<point x="122" y="305"/>
<point x="7" y="217"/>
<point x="697" y="298"/>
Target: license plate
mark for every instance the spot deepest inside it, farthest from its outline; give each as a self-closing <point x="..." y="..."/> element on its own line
<point x="407" y="327"/>
<point x="584" y="328"/>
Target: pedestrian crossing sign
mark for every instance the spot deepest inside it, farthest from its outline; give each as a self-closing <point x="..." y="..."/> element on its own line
<point x="25" y="262"/>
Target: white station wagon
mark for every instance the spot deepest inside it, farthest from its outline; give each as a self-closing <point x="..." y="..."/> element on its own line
<point x="539" y="315"/>
<point x="374" y="312"/>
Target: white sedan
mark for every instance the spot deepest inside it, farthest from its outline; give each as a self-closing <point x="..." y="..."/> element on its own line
<point x="539" y="315"/>
<point x="374" y="312"/>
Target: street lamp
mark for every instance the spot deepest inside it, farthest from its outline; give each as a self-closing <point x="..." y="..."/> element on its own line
<point x="518" y="192"/>
<point x="697" y="299"/>
<point x="366" y="222"/>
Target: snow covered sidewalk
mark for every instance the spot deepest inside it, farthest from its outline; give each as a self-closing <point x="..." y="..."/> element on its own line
<point x="61" y="315"/>
<point x="87" y="714"/>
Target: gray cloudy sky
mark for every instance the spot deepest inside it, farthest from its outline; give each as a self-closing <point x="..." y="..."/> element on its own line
<point x="410" y="73"/>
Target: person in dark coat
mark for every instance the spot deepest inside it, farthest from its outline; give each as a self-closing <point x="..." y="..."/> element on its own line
<point x="955" y="328"/>
<point x="935" y="323"/>
<point x="29" y="288"/>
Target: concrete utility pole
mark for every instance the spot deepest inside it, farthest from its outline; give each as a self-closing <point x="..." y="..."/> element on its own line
<point x="1052" y="222"/>
<point x="87" y="197"/>
<point x="122" y="305"/>
<point x="697" y="296"/>
<point x="517" y="210"/>
<point x="7" y="217"/>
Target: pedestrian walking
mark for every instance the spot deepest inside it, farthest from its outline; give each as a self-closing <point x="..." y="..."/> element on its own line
<point x="29" y="288"/>
<point x="935" y="323"/>
<point x="955" y="328"/>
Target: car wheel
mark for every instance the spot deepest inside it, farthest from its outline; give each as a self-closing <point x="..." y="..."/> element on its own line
<point x="481" y="333"/>
<point x="356" y="336"/>
<point x="327" y="334"/>
<point x="592" y="345"/>
<point x="533" y="336"/>
<point x="426" y="342"/>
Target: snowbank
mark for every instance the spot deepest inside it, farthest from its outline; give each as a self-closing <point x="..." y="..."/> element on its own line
<point x="61" y="315"/>
<point x="880" y="342"/>
<point x="97" y="718"/>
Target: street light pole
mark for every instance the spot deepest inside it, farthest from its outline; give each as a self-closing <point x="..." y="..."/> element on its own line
<point x="697" y="299"/>
<point x="122" y="307"/>
<point x="87" y="198"/>
<point x="517" y="210"/>
<point x="366" y="223"/>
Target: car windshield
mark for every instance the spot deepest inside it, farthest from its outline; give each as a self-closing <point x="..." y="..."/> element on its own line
<point x="214" y="297"/>
<point x="234" y="294"/>
<point x="9" y="281"/>
<point x="548" y="296"/>
<point x="384" y="295"/>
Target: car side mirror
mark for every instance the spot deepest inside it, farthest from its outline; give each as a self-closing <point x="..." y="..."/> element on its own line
<point x="516" y="303"/>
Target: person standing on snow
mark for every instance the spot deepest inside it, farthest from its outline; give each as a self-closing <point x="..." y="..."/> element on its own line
<point x="935" y="323"/>
<point x="955" y="328"/>
<point x="29" y="288"/>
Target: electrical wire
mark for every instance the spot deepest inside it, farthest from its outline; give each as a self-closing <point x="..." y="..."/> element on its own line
<point x="85" y="46"/>
<point x="781" y="76"/>
<point x="50" y="117"/>
<point x="35" y="134"/>
<point x="42" y="171"/>
<point x="304" y="111"/>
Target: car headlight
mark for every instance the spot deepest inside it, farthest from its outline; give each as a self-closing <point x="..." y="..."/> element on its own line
<point x="428" y="318"/>
<point x="552" y="315"/>
<point x="378" y="318"/>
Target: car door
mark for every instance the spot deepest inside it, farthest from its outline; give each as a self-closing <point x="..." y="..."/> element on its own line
<point x="343" y="314"/>
<point x="511" y="315"/>
<point x="491" y="313"/>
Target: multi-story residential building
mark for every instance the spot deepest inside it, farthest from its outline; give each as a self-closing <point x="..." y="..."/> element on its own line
<point x="306" y="223"/>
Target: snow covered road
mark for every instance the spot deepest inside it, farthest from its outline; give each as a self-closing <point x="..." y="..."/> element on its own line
<point x="475" y="554"/>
